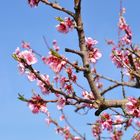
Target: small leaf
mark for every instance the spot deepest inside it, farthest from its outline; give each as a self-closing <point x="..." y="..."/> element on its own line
<point x="59" y="19"/>
<point x="21" y="97"/>
<point x="54" y="53"/>
<point x="15" y="57"/>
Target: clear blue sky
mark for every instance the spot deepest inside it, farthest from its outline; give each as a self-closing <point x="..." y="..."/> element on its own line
<point x="20" y="22"/>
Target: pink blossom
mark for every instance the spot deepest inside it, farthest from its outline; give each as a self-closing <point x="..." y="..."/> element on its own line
<point x="69" y="71"/>
<point x="62" y="27"/>
<point x="110" y="42"/>
<point x="99" y="85"/>
<point x="54" y="62"/>
<point x="17" y="51"/>
<point x="106" y="121"/>
<point x="48" y="121"/>
<point x="59" y="130"/>
<point x="126" y="40"/>
<point x="42" y="86"/>
<point x="62" y="117"/>
<point x="122" y="23"/>
<point x="63" y="81"/>
<point x="65" y="26"/>
<point x="90" y="42"/>
<point x="137" y="122"/>
<point x="71" y="76"/>
<point x="29" y="56"/>
<point x="118" y="120"/>
<point x="55" y="45"/>
<point x="36" y="103"/>
<point x="69" y="88"/>
<point x="69" y="22"/>
<point x="33" y="3"/>
<point x="33" y="108"/>
<point x="125" y="27"/>
<point x="117" y="134"/>
<point x="88" y="95"/>
<point x="25" y="45"/>
<point x="74" y="78"/>
<point x="56" y="78"/>
<point x="96" y="130"/>
<point x="133" y="107"/>
<point x="107" y="125"/>
<point x="21" y="68"/>
<point x="66" y="133"/>
<point x="123" y="11"/>
<point x="61" y="102"/>
<point x="119" y="58"/>
<point x="94" y="55"/>
<point x="30" y="76"/>
<point x="44" y="110"/>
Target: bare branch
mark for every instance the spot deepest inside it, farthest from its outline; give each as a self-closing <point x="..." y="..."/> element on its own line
<point x="70" y="125"/>
<point x="111" y="103"/>
<point x="110" y="88"/>
<point x="116" y="103"/>
<point x="74" y="51"/>
<point x="58" y="7"/>
<point x="128" y="84"/>
<point x="122" y="80"/>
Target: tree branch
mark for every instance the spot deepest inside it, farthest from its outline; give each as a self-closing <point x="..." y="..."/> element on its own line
<point x="111" y="103"/>
<point x="58" y="7"/>
<point x="83" y="49"/>
<point x="70" y="125"/>
<point x="128" y="84"/>
<point x="54" y="90"/>
<point x="74" y="51"/>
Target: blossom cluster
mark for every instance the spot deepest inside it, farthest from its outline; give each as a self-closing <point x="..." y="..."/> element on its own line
<point x="106" y="122"/>
<point x="65" y="25"/>
<point x="26" y="55"/>
<point x="93" y="53"/>
<point x="37" y="104"/>
<point x="120" y="58"/>
<point x="127" y="38"/>
<point x="66" y="132"/>
<point x="133" y="107"/>
<point x="119" y="55"/>
<point x="115" y="125"/>
<point x="54" y="60"/>
<point x="26" y="58"/>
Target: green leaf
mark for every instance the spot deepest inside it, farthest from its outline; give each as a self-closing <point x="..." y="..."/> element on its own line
<point x="54" y="53"/>
<point x="21" y="97"/>
<point x="15" y="57"/>
<point x="59" y="19"/>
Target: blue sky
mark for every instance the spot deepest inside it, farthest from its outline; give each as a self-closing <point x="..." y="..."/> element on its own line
<point x="20" y="22"/>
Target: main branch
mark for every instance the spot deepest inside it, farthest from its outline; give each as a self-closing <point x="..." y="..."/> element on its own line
<point x="83" y="49"/>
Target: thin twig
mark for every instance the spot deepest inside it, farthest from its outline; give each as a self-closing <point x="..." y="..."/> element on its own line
<point x="122" y="80"/>
<point x="70" y="125"/>
<point x="110" y="88"/>
<point x="74" y="51"/>
<point x="58" y="7"/>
